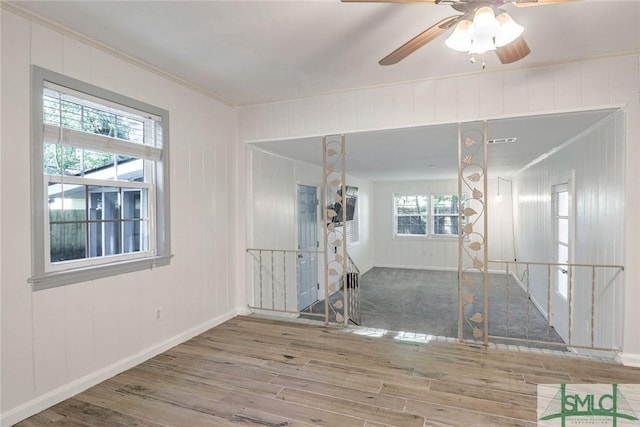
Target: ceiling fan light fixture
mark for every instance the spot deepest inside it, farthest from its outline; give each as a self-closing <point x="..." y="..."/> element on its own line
<point x="480" y="45"/>
<point x="485" y="20"/>
<point x="487" y="32"/>
<point x="484" y="29"/>
<point x="509" y="30"/>
<point x="460" y="39"/>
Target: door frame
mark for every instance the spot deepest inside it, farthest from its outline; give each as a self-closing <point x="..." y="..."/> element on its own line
<point x="316" y="269"/>
<point x="561" y="306"/>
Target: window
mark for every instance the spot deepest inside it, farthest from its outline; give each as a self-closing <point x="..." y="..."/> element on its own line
<point x="411" y="214"/>
<point x="352" y="227"/>
<point x="561" y="237"/>
<point x="445" y="214"/>
<point x="100" y="182"/>
<point x="434" y="215"/>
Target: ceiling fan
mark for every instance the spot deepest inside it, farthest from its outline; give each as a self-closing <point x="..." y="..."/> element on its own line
<point x="482" y="26"/>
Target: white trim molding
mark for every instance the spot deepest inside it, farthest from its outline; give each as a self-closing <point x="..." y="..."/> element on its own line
<point x="629" y="359"/>
<point x="79" y="385"/>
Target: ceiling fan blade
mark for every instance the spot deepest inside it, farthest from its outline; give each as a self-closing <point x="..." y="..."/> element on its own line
<point x="514" y="51"/>
<point x="420" y="40"/>
<point x="527" y="3"/>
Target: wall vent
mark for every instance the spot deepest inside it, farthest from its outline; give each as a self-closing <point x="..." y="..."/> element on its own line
<point x="502" y="140"/>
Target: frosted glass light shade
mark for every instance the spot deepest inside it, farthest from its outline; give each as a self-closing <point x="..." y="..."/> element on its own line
<point x="460" y="40"/>
<point x="509" y="30"/>
<point x="481" y="45"/>
<point x="484" y="29"/>
<point x="485" y="33"/>
<point x="485" y="19"/>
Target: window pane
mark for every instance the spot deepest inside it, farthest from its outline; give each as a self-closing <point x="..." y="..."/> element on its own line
<point x="413" y="224"/>
<point x="445" y="225"/>
<point x="131" y="204"/>
<point x="67" y="203"/>
<point x="563" y="230"/>
<point x="50" y="109"/>
<point x="131" y="130"/>
<point x="112" y="237"/>
<point x="52" y="159"/>
<point x="99" y="122"/>
<point x="130" y="169"/>
<point x="562" y="279"/>
<point x="104" y="212"/>
<point x="98" y="165"/>
<point x="445" y="204"/>
<point x="60" y="159"/>
<point x="71" y="112"/>
<point x="411" y="205"/>
<point x="563" y="254"/>
<point x="563" y="203"/>
<point x="105" y="202"/>
<point x="134" y="235"/>
<point x="58" y="112"/>
<point x="67" y="241"/>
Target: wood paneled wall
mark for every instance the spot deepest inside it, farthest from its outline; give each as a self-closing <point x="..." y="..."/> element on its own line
<point x="273" y="217"/>
<point x="438" y="252"/>
<point x="58" y="341"/>
<point x="589" y="84"/>
<point x="595" y="162"/>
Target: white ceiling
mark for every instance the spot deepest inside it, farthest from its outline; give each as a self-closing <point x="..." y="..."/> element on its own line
<point x="431" y="152"/>
<point x="251" y="52"/>
<point x="248" y="52"/>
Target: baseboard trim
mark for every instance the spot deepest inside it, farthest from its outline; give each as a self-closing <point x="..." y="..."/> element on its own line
<point x="535" y="301"/>
<point x="629" y="359"/>
<point x="79" y="385"/>
<point x="417" y="267"/>
<point x="430" y="268"/>
<point x="366" y="268"/>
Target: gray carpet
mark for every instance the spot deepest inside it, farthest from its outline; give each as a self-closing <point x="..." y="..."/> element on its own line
<point x="426" y="301"/>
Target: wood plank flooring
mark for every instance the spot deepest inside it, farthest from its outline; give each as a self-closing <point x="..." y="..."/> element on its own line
<point x="252" y="371"/>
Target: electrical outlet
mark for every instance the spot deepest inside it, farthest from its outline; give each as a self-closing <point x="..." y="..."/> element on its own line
<point x="158" y="312"/>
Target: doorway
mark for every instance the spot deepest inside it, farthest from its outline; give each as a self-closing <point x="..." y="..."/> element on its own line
<point x="562" y="223"/>
<point x="307" y="246"/>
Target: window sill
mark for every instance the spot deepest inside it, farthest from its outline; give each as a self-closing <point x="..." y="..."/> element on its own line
<point x="60" y="278"/>
<point x="430" y="238"/>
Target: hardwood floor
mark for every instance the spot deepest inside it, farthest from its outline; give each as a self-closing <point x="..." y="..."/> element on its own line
<point x="252" y="371"/>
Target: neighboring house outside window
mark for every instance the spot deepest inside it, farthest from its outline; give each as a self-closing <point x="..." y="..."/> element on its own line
<point x="427" y="215"/>
<point x="100" y="176"/>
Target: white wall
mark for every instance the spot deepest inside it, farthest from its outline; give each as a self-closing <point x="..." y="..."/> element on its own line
<point x="58" y="341"/>
<point x="511" y="91"/>
<point x="595" y="164"/>
<point x="273" y="218"/>
<point x="410" y="252"/>
<point x="438" y="253"/>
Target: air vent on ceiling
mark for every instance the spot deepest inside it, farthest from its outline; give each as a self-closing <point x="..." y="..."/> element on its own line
<point x="502" y="140"/>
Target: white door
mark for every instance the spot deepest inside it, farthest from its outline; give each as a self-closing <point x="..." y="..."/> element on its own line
<point x="308" y="246"/>
<point x="562" y="223"/>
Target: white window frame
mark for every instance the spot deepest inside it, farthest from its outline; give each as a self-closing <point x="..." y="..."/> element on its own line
<point x="433" y="215"/>
<point x="396" y="216"/>
<point x="430" y="216"/>
<point x="352" y="228"/>
<point x="46" y="274"/>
